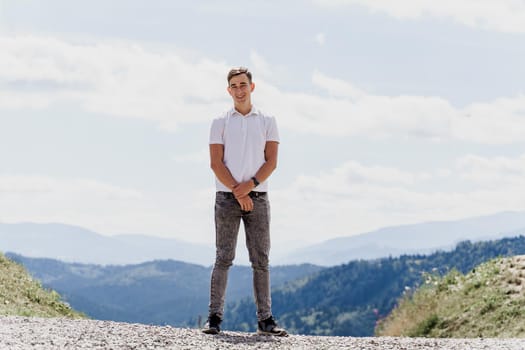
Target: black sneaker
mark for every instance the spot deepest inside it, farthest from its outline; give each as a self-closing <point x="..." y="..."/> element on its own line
<point x="213" y="325"/>
<point x="270" y="327"/>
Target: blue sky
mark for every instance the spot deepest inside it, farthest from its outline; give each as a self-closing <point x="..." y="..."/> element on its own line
<point x="389" y="112"/>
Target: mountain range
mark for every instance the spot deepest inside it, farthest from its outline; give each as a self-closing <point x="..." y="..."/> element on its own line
<point x="75" y="244"/>
<point x="422" y="238"/>
<point x="345" y="300"/>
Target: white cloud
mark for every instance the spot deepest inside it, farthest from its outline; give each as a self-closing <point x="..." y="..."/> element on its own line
<point x="106" y="208"/>
<point x="354" y="198"/>
<point x="126" y="80"/>
<point x="337" y="87"/>
<point x="349" y="110"/>
<point x="353" y="173"/>
<point x="201" y="156"/>
<point x="374" y="116"/>
<point x="264" y="69"/>
<point x="496" y="171"/>
<point x="115" y="78"/>
<point x="40" y="185"/>
<point x="499" y="121"/>
<point x="265" y="72"/>
<point x="320" y="39"/>
<point x="348" y="199"/>
<point x="498" y="15"/>
<point x="86" y="202"/>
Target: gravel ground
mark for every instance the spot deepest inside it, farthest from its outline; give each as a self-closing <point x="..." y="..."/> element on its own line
<point x="58" y="333"/>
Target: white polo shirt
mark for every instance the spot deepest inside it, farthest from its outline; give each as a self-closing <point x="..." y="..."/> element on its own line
<point x="244" y="139"/>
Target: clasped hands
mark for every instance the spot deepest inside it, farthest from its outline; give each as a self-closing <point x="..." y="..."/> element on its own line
<point x="241" y="191"/>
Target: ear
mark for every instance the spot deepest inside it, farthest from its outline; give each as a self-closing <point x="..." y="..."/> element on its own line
<point x="252" y="87"/>
<point x="229" y="90"/>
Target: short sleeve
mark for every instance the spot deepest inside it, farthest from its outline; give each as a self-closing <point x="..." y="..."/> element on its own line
<point x="217" y="131"/>
<point x="272" y="133"/>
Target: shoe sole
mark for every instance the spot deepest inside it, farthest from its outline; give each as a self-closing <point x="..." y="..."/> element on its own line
<point x="210" y="331"/>
<point x="278" y="334"/>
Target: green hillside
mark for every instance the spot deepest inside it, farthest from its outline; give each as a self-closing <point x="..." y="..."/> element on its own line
<point x="486" y="302"/>
<point x="21" y="295"/>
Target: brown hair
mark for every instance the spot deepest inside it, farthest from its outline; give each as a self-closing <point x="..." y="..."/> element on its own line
<point x="238" y="71"/>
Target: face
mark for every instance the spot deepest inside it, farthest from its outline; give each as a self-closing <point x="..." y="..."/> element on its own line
<point x="240" y="89"/>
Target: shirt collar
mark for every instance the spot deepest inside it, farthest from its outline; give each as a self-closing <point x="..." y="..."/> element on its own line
<point x="253" y="111"/>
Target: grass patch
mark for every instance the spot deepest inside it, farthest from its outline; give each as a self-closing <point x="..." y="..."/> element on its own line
<point x="487" y="302"/>
<point x="21" y="295"/>
<point x="425" y="328"/>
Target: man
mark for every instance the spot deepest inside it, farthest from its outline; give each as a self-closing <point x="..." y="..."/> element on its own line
<point x="243" y="154"/>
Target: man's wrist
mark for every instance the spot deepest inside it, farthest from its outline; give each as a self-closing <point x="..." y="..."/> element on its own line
<point x="255" y="182"/>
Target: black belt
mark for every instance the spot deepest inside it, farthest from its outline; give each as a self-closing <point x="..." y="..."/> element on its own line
<point x="252" y="194"/>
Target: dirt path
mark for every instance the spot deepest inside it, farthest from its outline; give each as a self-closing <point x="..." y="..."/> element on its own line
<point x="56" y="333"/>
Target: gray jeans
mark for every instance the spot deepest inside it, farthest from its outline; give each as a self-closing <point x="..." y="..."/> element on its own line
<point x="228" y="215"/>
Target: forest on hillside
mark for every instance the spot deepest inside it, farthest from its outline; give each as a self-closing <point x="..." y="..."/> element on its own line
<point x="349" y="299"/>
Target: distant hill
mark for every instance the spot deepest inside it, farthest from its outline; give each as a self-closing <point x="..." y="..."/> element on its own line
<point x="486" y="302"/>
<point x="349" y="299"/>
<point x="156" y="292"/>
<point x="75" y="244"/>
<point x="423" y="238"/>
<point x="21" y="295"/>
